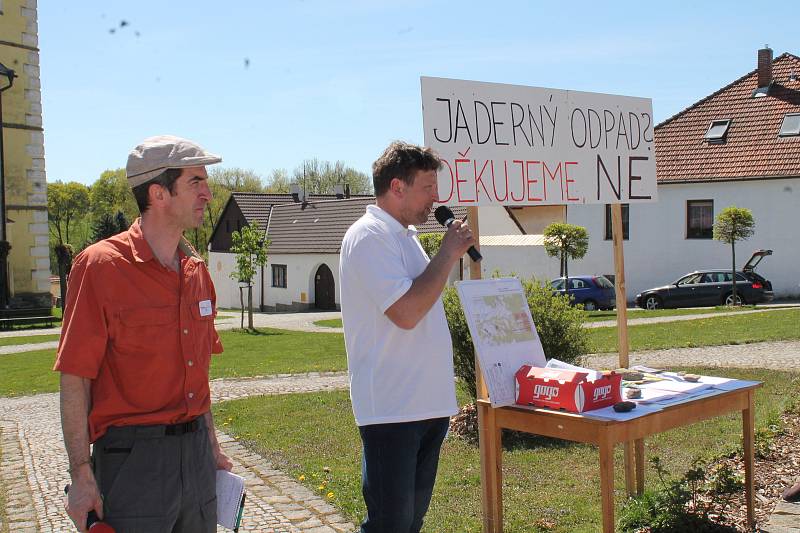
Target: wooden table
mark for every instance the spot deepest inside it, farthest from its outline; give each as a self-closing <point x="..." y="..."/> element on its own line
<point x="605" y="434"/>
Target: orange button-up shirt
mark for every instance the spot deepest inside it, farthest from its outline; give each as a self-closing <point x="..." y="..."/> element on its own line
<point x="143" y="334"/>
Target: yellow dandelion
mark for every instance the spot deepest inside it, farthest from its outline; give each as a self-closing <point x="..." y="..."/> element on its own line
<point x="301" y="477"/>
<point x="321" y="487"/>
<point x="330" y="494"/>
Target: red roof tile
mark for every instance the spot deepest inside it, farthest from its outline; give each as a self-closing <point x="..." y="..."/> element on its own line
<point x="752" y="148"/>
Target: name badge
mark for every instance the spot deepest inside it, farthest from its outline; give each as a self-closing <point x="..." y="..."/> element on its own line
<point x="205" y="308"/>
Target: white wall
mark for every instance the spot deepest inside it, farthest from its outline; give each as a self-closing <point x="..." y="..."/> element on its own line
<point x="658" y="251"/>
<point x="523" y="261"/>
<point x="300" y="271"/>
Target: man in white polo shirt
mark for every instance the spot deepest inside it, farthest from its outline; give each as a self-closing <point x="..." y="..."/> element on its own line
<point x="399" y="352"/>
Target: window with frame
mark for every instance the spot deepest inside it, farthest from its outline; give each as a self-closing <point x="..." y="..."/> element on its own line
<point x="625" y="223"/>
<point x="577" y="284"/>
<point x="790" y="125"/>
<point x="279" y="276"/>
<point x="700" y="219"/>
<point x="717" y="131"/>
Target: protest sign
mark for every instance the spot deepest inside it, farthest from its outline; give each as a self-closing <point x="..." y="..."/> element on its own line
<point x="516" y="145"/>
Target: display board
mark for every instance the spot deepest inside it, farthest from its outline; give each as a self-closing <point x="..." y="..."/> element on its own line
<point x="503" y="333"/>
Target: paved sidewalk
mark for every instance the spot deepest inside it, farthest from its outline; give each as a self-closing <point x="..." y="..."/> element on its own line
<point x="784" y="355"/>
<point x="34" y="463"/>
<point x="291" y="321"/>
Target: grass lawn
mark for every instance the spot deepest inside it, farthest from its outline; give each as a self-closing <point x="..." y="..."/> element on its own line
<point x="331" y="323"/>
<point x="597" y="316"/>
<point x="712" y="331"/>
<point x="276" y="351"/>
<point x="303" y="434"/>
<point x="269" y="351"/>
<point x="33" y="339"/>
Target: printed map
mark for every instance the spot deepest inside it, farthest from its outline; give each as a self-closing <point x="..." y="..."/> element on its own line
<point x="502" y="319"/>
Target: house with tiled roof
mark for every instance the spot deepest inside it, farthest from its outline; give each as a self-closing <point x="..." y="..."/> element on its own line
<point x="738" y="146"/>
<point x="245" y="207"/>
<point x="305" y="237"/>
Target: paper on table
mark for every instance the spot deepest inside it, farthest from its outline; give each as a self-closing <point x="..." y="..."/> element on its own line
<point x="230" y="489"/>
<point x="676" y="386"/>
<point x="654" y="395"/>
<point x="561" y="365"/>
<point x="608" y="413"/>
<point x="681" y="398"/>
<point x="715" y="381"/>
<point x="735" y="384"/>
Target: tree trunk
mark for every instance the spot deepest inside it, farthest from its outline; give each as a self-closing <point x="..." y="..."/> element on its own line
<point x="250" y="308"/>
<point x="733" y="269"/>
<point x="62" y="280"/>
<point x="241" y="301"/>
<point x="566" y="276"/>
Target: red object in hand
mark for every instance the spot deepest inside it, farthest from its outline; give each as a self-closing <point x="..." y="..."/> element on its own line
<point x="94" y="525"/>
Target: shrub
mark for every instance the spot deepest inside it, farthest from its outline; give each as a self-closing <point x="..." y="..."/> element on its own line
<point x="431" y="242"/>
<point x="560" y="328"/>
<point x="695" y="502"/>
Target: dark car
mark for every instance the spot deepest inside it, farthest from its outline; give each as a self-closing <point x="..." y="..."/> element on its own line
<point x="594" y="292"/>
<point x="711" y="287"/>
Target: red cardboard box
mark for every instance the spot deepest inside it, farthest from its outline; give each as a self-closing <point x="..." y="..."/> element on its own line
<point x="566" y="390"/>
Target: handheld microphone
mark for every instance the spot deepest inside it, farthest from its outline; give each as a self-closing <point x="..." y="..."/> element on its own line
<point x="445" y="217"/>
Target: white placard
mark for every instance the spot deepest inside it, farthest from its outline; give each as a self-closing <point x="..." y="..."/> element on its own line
<point x="503" y="333"/>
<point x="516" y="145"/>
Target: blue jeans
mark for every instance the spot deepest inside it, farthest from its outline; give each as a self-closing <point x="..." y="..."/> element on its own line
<point x="398" y="472"/>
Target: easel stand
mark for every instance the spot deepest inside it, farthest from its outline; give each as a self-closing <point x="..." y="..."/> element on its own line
<point x="603" y="433"/>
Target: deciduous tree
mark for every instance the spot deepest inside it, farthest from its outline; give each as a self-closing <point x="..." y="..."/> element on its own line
<point x="734" y="224"/>
<point x="66" y="202"/>
<point x="566" y="241"/>
<point x="250" y="246"/>
<point x="320" y="177"/>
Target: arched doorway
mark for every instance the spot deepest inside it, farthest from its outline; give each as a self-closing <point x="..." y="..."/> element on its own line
<point x="324" y="289"/>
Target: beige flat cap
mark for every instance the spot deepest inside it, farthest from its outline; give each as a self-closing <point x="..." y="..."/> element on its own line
<point x="156" y="154"/>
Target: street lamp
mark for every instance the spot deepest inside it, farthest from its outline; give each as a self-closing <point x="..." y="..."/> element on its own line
<point x="6" y="75"/>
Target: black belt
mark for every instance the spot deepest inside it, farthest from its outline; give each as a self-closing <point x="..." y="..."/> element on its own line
<point x="179" y="429"/>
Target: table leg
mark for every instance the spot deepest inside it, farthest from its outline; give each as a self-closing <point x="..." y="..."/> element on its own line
<point x="630" y="464"/>
<point x="607" y="481"/>
<point x="639" y="453"/>
<point x="748" y="431"/>
<point x="491" y="470"/>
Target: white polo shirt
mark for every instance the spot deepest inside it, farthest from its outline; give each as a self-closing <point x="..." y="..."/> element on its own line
<point x="396" y="375"/>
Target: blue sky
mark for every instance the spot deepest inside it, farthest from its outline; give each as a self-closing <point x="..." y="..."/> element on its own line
<point x="340" y="80"/>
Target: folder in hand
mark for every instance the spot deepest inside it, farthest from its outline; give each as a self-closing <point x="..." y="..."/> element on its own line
<point x="230" y="499"/>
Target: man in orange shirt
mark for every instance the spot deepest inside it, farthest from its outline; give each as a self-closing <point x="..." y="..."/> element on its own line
<point x="135" y="349"/>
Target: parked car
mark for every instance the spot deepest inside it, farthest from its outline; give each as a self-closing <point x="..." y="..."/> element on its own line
<point x="711" y="287"/>
<point x="594" y="292"/>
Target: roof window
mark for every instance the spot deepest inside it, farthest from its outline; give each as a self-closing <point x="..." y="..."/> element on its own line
<point x="718" y="130"/>
<point x="790" y="126"/>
